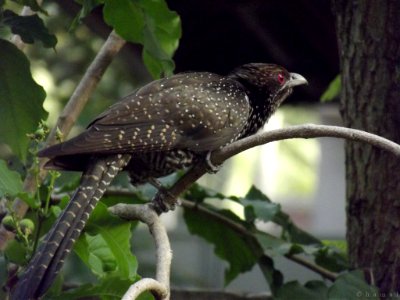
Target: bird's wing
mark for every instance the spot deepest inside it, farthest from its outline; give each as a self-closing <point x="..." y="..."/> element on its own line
<point x="195" y="111"/>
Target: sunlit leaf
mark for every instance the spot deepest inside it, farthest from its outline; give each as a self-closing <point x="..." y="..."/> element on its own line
<point x="333" y="90"/>
<point x="151" y="24"/>
<point x="21" y="99"/>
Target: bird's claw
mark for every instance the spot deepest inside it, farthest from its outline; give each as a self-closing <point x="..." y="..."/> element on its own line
<point x="211" y="168"/>
<point x="164" y="201"/>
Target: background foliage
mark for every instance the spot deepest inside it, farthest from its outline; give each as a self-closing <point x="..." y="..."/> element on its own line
<point x="104" y="248"/>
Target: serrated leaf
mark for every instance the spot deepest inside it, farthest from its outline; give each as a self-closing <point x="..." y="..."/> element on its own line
<point x="96" y="254"/>
<point x="29" y="28"/>
<point x="229" y="245"/>
<point x="262" y="210"/>
<point x="272" y="212"/>
<point x="294" y="290"/>
<point x="116" y="234"/>
<point x="10" y="181"/>
<point x="151" y="24"/>
<point x="21" y="99"/>
<point x="352" y="285"/>
<point x="333" y="90"/>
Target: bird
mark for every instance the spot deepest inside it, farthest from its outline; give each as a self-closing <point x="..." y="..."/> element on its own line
<point x="167" y="125"/>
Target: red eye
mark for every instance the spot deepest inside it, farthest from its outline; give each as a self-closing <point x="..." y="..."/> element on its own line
<point x="281" y="78"/>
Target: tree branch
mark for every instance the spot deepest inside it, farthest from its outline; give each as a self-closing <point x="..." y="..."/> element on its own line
<point x="146" y="214"/>
<point x="300" y="131"/>
<point x="68" y="117"/>
<point x="132" y="212"/>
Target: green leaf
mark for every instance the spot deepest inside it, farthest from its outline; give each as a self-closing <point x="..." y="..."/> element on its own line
<point x="332" y="259"/>
<point x="126" y="17"/>
<point x="21" y="99"/>
<point x="352" y="285"/>
<point x="31" y="200"/>
<point x="109" y="288"/>
<point x="16" y="252"/>
<point x="229" y="245"/>
<point x="109" y="244"/>
<point x="294" y="290"/>
<point x="87" y="7"/>
<point x="29" y="28"/>
<point x="333" y="90"/>
<point x="269" y="242"/>
<point x="274" y="277"/>
<point x="10" y="181"/>
<point x="151" y="24"/>
<point x="198" y="193"/>
<point x="33" y="4"/>
<point x="265" y="211"/>
<point x="96" y="254"/>
<point x="341" y="245"/>
<point x="273" y="212"/>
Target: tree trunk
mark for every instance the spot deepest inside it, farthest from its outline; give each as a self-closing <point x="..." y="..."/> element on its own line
<point x="369" y="44"/>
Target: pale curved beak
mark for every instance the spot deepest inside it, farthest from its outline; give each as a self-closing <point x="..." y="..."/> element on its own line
<point x="296" y="79"/>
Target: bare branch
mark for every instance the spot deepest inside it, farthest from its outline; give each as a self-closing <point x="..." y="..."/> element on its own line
<point x="146" y="214"/>
<point x="300" y="131"/>
<point x="88" y="83"/>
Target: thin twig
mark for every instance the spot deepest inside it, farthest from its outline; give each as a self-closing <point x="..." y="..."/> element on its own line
<point x="313" y="267"/>
<point x="146" y="214"/>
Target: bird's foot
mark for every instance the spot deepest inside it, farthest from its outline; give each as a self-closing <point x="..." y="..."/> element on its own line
<point x="163" y="201"/>
<point x="211" y="168"/>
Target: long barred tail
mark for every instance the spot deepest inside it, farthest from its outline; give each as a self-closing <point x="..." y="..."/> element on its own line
<point x="49" y="259"/>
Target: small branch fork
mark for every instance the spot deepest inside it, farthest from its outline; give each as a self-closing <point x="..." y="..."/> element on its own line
<point x="161" y="287"/>
<point x="146" y="214"/>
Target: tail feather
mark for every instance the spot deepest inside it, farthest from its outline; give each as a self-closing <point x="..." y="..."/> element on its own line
<point x="49" y="259"/>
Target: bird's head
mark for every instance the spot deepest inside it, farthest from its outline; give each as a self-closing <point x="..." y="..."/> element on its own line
<point x="267" y="82"/>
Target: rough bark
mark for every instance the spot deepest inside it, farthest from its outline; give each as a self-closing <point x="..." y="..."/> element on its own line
<point x="369" y="44"/>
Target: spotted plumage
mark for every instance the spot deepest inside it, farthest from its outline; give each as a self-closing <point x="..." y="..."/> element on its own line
<point x="166" y="125"/>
